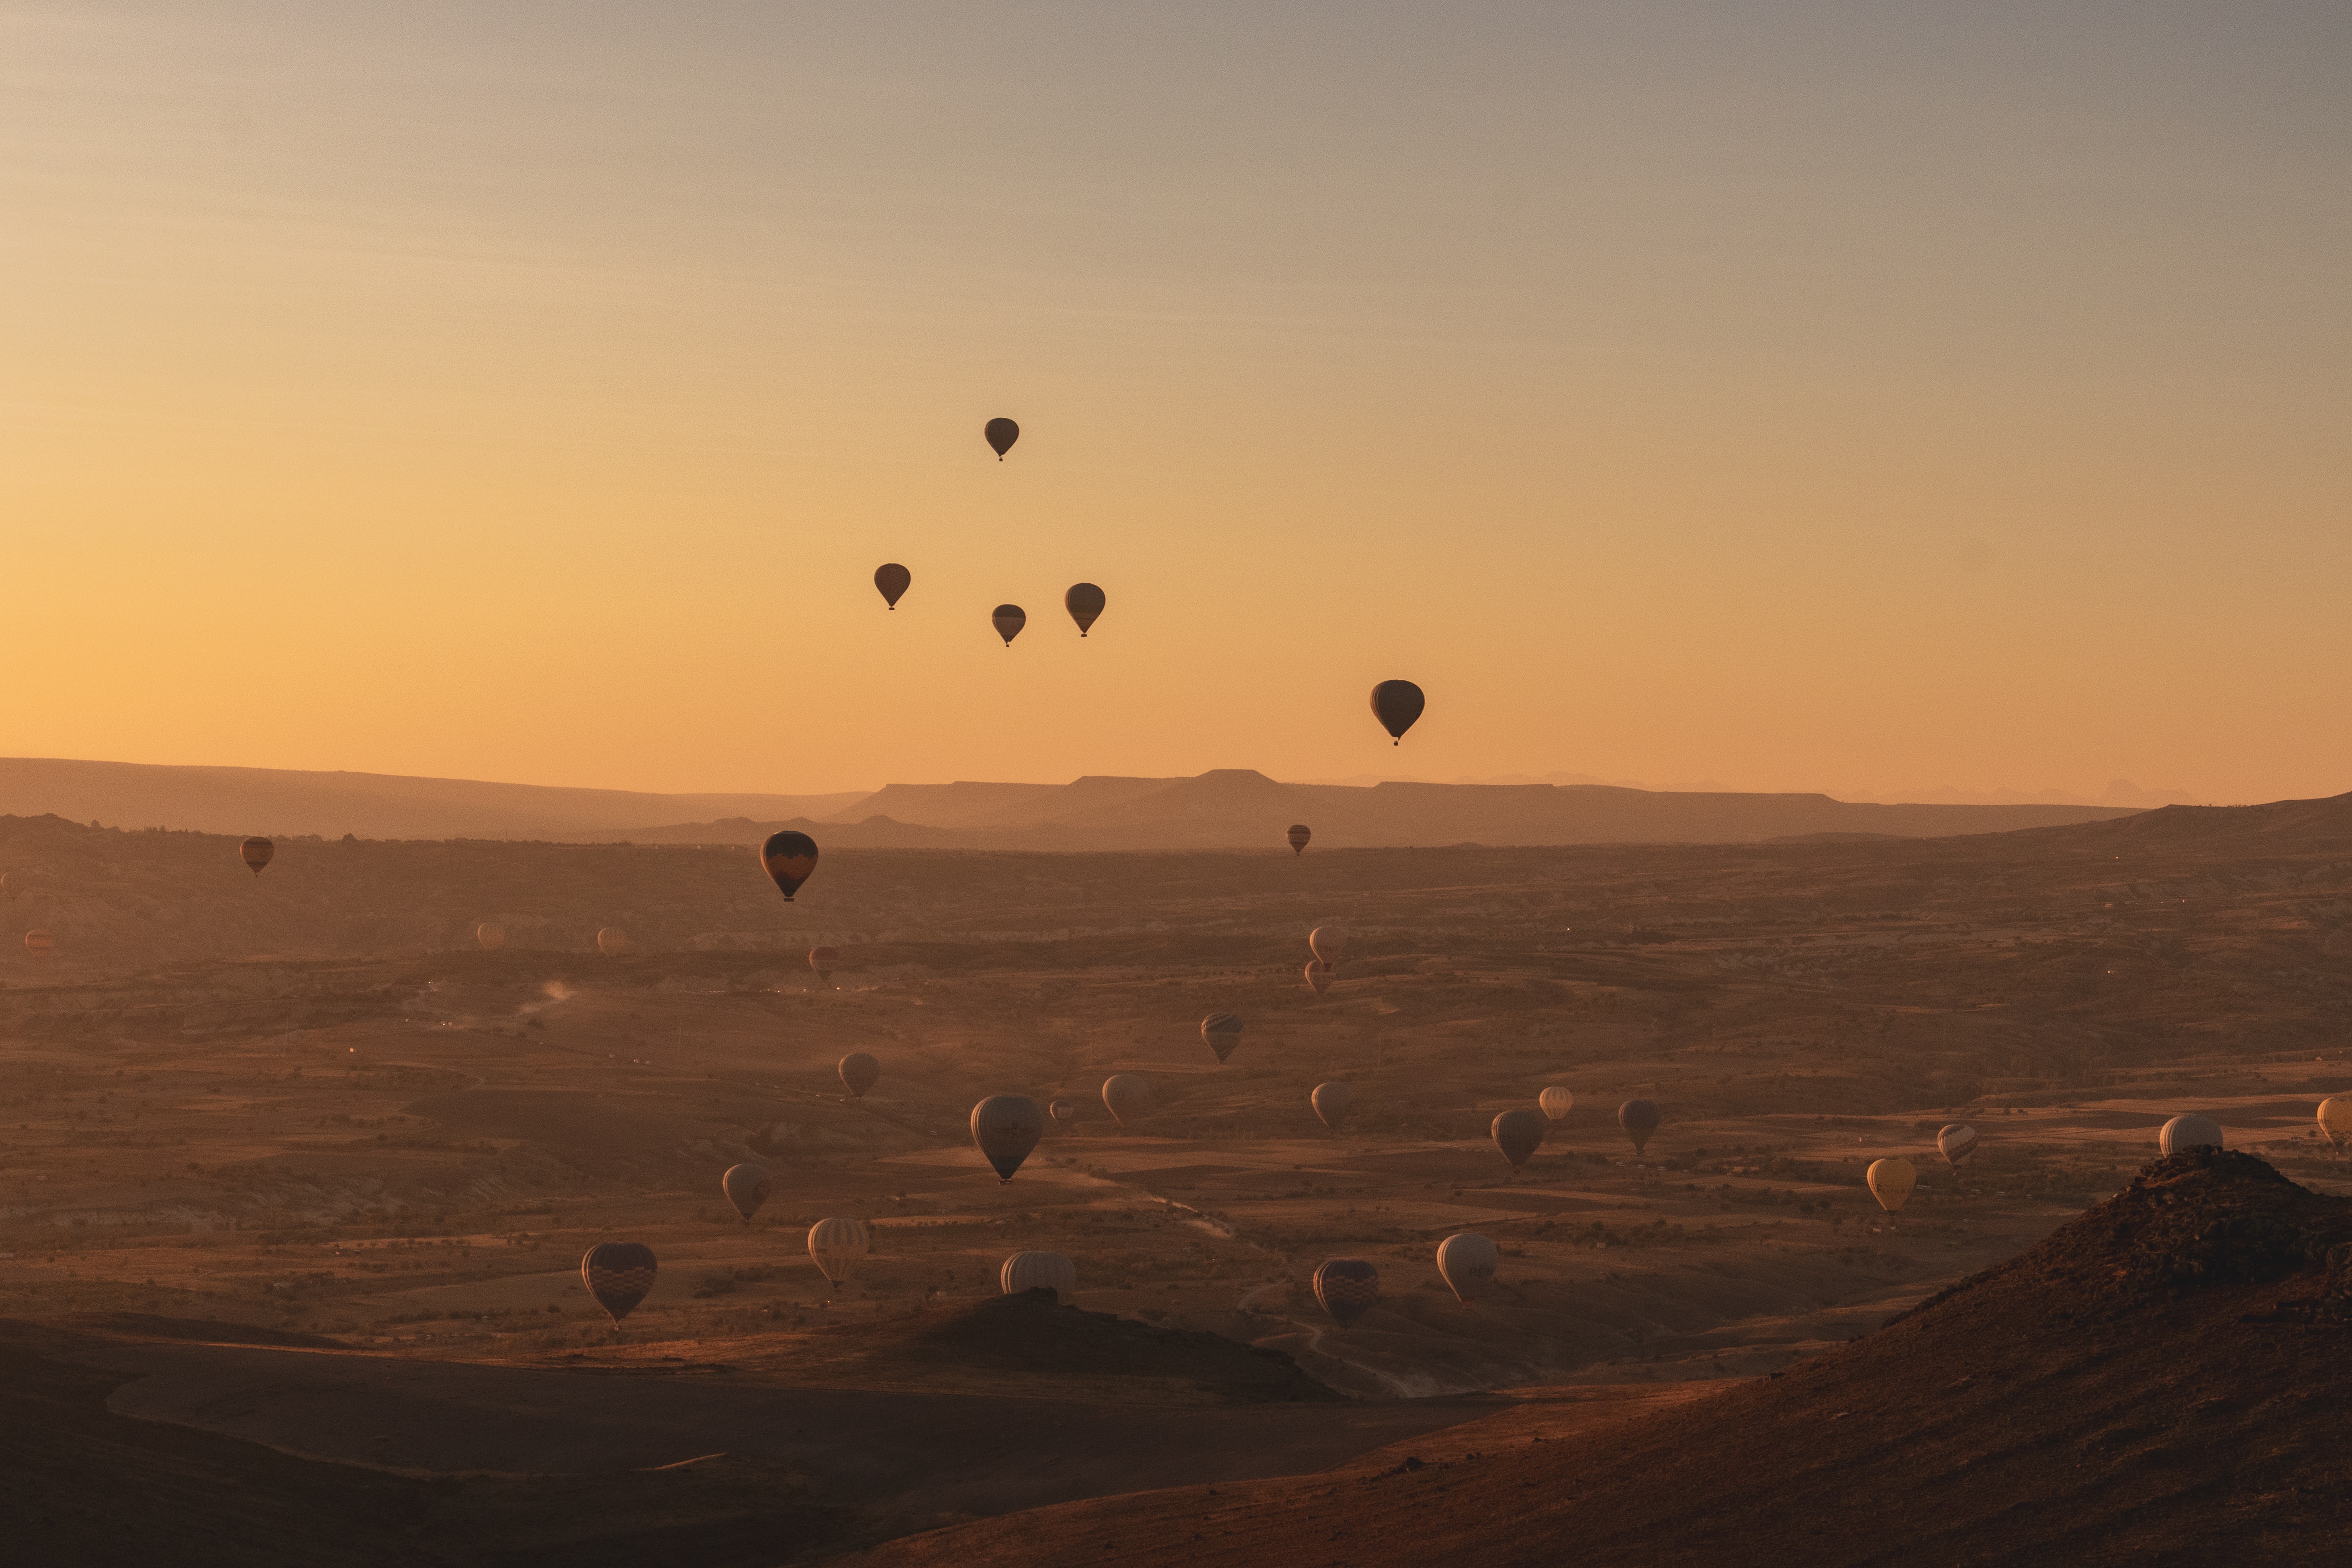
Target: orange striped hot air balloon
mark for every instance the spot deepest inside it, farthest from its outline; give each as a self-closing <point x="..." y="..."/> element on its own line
<point x="836" y="1246"/>
<point x="612" y="940"/>
<point x="1223" y="1031"/>
<point x="39" y="944"/>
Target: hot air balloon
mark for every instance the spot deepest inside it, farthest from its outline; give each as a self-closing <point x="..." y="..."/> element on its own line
<point x="1346" y="1287"/>
<point x="1008" y="620"/>
<point x="1000" y="434"/>
<point x="1639" y="1117"/>
<point x="1958" y="1144"/>
<point x="1085" y="602"/>
<point x="858" y="1072"/>
<point x="1006" y="1127"/>
<point x="1891" y="1182"/>
<point x="1518" y="1134"/>
<point x="611" y="940"/>
<point x="1127" y="1097"/>
<point x="619" y="1274"/>
<point x="1063" y="1112"/>
<point x="747" y="1187"/>
<point x="1224" y="1033"/>
<point x="1396" y="704"/>
<point x="256" y="853"/>
<point x="1299" y="833"/>
<point x="893" y="580"/>
<point x="1318" y="975"/>
<point x="39" y="944"/>
<point x="1556" y="1102"/>
<point x="1039" y="1271"/>
<point x="1330" y="1101"/>
<point x="823" y="960"/>
<point x="491" y="935"/>
<point x="2335" y="1119"/>
<point x="790" y="858"/>
<point x="1467" y="1261"/>
<point x="1328" y="944"/>
<point x="836" y="1245"/>
<point x="2183" y="1133"/>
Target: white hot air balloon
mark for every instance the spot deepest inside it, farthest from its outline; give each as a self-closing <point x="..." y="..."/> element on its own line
<point x="1467" y="1262"/>
<point x="837" y="1245"/>
<point x="2183" y="1133"/>
<point x="1127" y="1097"/>
<point x="1039" y="1271"/>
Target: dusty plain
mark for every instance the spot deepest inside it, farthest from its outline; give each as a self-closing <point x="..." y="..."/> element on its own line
<point x="291" y="1161"/>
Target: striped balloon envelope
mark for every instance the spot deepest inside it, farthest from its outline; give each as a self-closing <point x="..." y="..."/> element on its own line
<point x="788" y="859"/>
<point x="1556" y="1102"/>
<point x="39" y="944"/>
<point x="1318" y="975"/>
<point x="1467" y="1261"/>
<point x="1063" y="1112"/>
<point x="256" y="853"/>
<point x="1299" y="833"/>
<point x="837" y="1246"/>
<point x="1346" y="1287"/>
<point x="2183" y="1133"/>
<point x="858" y="1072"/>
<point x="1518" y="1134"/>
<point x="612" y="942"/>
<point x="747" y="1186"/>
<point x="1330" y="1101"/>
<point x="491" y="935"/>
<point x="1039" y="1271"/>
<point x="1956" y="1143"/>
<point x="1224" y="1033"/>
<point x="619" y="1274"/>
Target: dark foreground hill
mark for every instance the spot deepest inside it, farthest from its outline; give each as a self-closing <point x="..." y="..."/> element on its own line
<point x="2162" y="1381"/>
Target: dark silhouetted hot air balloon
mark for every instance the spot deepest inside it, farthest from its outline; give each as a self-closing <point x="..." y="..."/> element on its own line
<point x="1467" y="1261"/>
<point x="491" y="935"/>
<point x="893" y="580"/>
<point x="789" y="857"/>
<point x="858" y="1072"/>
<point x="1639" y="1117"/>
<point x="612" y="942"/>
<point x="256" y="853"/>
<point x="1396" y="704"/>
<point x="1039" y="1271"/>
<point x="1956" y="1143"/>
<point x="823" y="959"/>
<point x="1127" y="1097"/>
<point x="1518" y="1134"/>
<point x="2183" y="1133"/>
<point x="1318" y="975"/>
<point x="1328" y="944"/>
<point x="1891" y="1181"/>
<point x="1063" y="1112"/>
<point x="1556" y="1102"/>
<point x="1346" y="1287"/>
<point x="747" y="1186"/>
<point x="619" y="1274"/>
<point x="1008" y="620"/>
<point x="1332" y="1100"/>
<point x="1000" y="434"/>
<point x="39" y="944"/>
<point x="1006" y="1127"/>
<point x="1085" y="602"/>
<point x="1299" y="833"/>
<point x="1224" y="1033"/>
<point x="836" y="1246"/>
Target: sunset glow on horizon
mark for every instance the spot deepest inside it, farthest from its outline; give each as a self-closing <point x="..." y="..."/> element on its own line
<point x="1807" y="396"/>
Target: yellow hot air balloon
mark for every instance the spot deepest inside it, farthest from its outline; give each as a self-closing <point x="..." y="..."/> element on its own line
<point x="837" y="1245"/>
<point x="1556" y="1102"/>
<point x="1891" y="1182"/>
<point x="2335" y="1119"/>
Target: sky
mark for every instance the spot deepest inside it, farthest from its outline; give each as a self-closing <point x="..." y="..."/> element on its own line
<point x="1847" y="396"/>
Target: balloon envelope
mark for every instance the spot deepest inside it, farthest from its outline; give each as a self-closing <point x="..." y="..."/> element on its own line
<point x="788" y="859"/>
<point x="747" y="1186"/>
<point x="619" y="1274"/>
<point x="1224" y="1033"/>
<point x="893" y="580"/>
<point x="2185" y="1132"/>
<point x="491" y="935"/>
<point x="1346" y="1287"/>
<point x="39" y="944"/>
<point x="1299" y="833"/>
<point x="1000" y="434"/>
<point x="2335" y="1119"/>
<point x="1318" y="975"/>
<point x="1328" y="944"/>
<point x="858" y="1072"/>
<point x="1956" y="1143"/>
<point x="1891" y="1182"/>
<point x="1008" y="620"/>
<point x="1518" y="1134"/>
<point x="1556" y="1102"/>
<point x="1127" y="1097"/>
<point x="1467" y="1261"/>
<point x="611" y="940"/>
<point x="1396" y="704"/>
<point x="1039" y="1271"/>
<point x="256" y="853"/>
<point x="836" y="1245"/>
<point x="1639" y="1117"/>
<point x="1006" y="1127"/>
<point x="823" y="960"/>
<point x="1330" y="1101"/>
<point x="1063" y="1112"/>
<point x="1085" y="602"/>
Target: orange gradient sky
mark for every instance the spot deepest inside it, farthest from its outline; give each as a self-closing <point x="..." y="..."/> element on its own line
<point x="1846" y="396"/>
